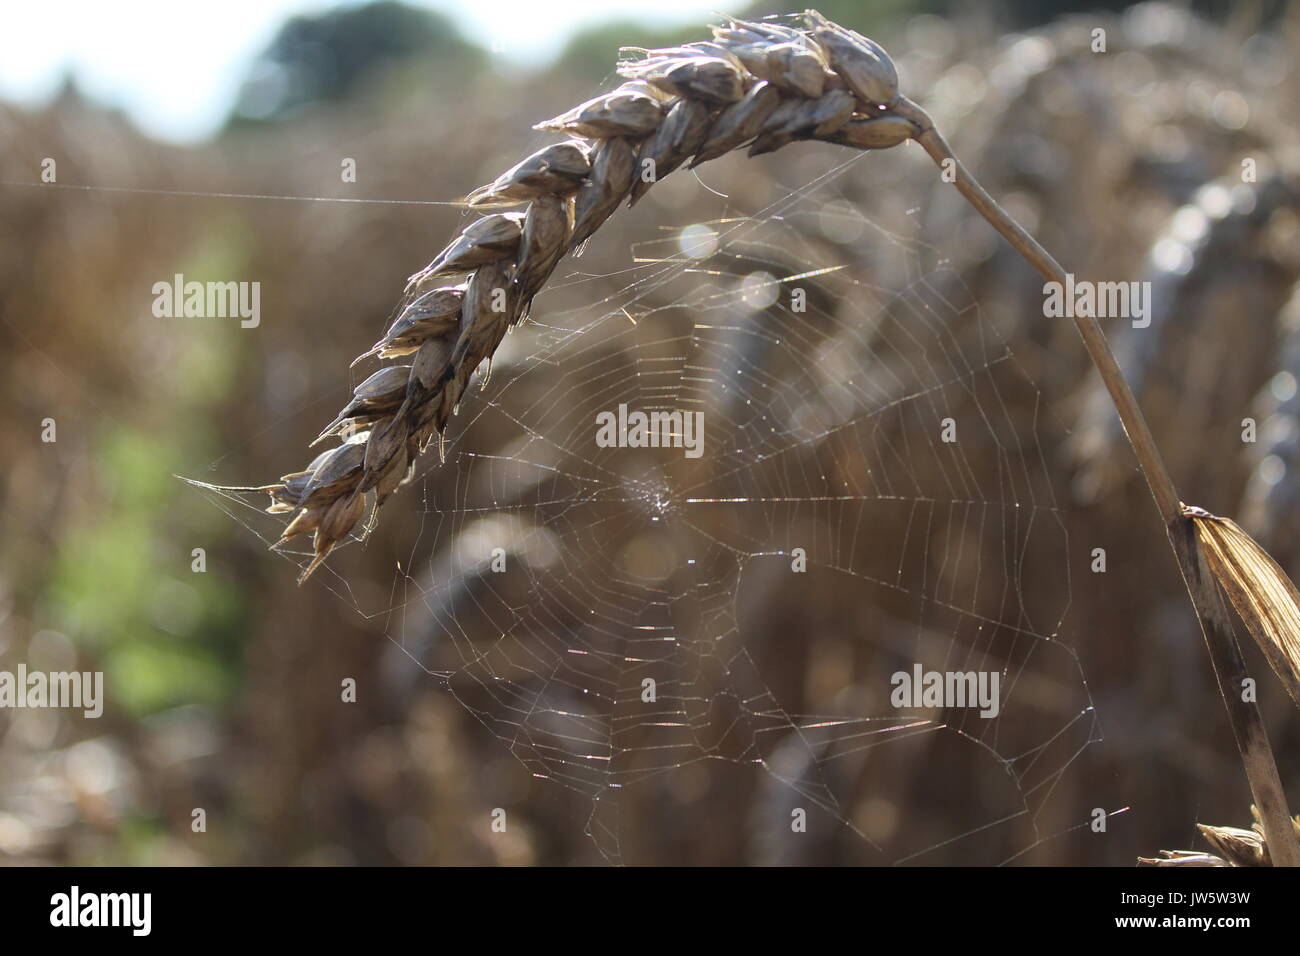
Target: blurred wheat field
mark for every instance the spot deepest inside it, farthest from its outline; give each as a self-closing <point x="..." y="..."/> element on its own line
<point x="224" y="684"/>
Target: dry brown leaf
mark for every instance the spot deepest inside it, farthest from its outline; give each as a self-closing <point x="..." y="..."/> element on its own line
<point x="1259" y="589"/>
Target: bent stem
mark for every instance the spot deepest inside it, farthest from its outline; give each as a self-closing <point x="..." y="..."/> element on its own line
<point x="1216" y="626"/>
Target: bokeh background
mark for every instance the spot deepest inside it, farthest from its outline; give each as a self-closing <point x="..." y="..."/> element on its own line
<point x="223" y="686"/>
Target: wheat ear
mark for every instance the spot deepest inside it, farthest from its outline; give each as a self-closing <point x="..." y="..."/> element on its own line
<point x="761" y="85"/>
<point x="758" y="84"/>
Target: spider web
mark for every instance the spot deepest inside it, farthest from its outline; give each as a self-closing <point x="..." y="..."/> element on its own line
<point x="650" y="622"/>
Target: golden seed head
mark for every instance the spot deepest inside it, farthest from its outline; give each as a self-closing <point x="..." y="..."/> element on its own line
<point x="755" y="84"/>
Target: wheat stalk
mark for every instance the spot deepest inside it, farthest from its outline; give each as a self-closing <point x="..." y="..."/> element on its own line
<point x="761" y="85"/>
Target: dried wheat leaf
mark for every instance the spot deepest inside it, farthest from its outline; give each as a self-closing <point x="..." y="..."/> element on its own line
<point x="1183" y="858"/>
<point x="1259" y="589"/>
<point x="1232" y="846"/>
<point x="1239" y="847"/>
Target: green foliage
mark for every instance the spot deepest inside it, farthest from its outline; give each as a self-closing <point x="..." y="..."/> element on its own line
<point x="330" y="57"/>
<point x="156" y="629"/>
<point x="122" y="587"/>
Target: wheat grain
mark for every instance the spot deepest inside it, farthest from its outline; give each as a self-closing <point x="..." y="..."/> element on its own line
<point x="759" y="84"/>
